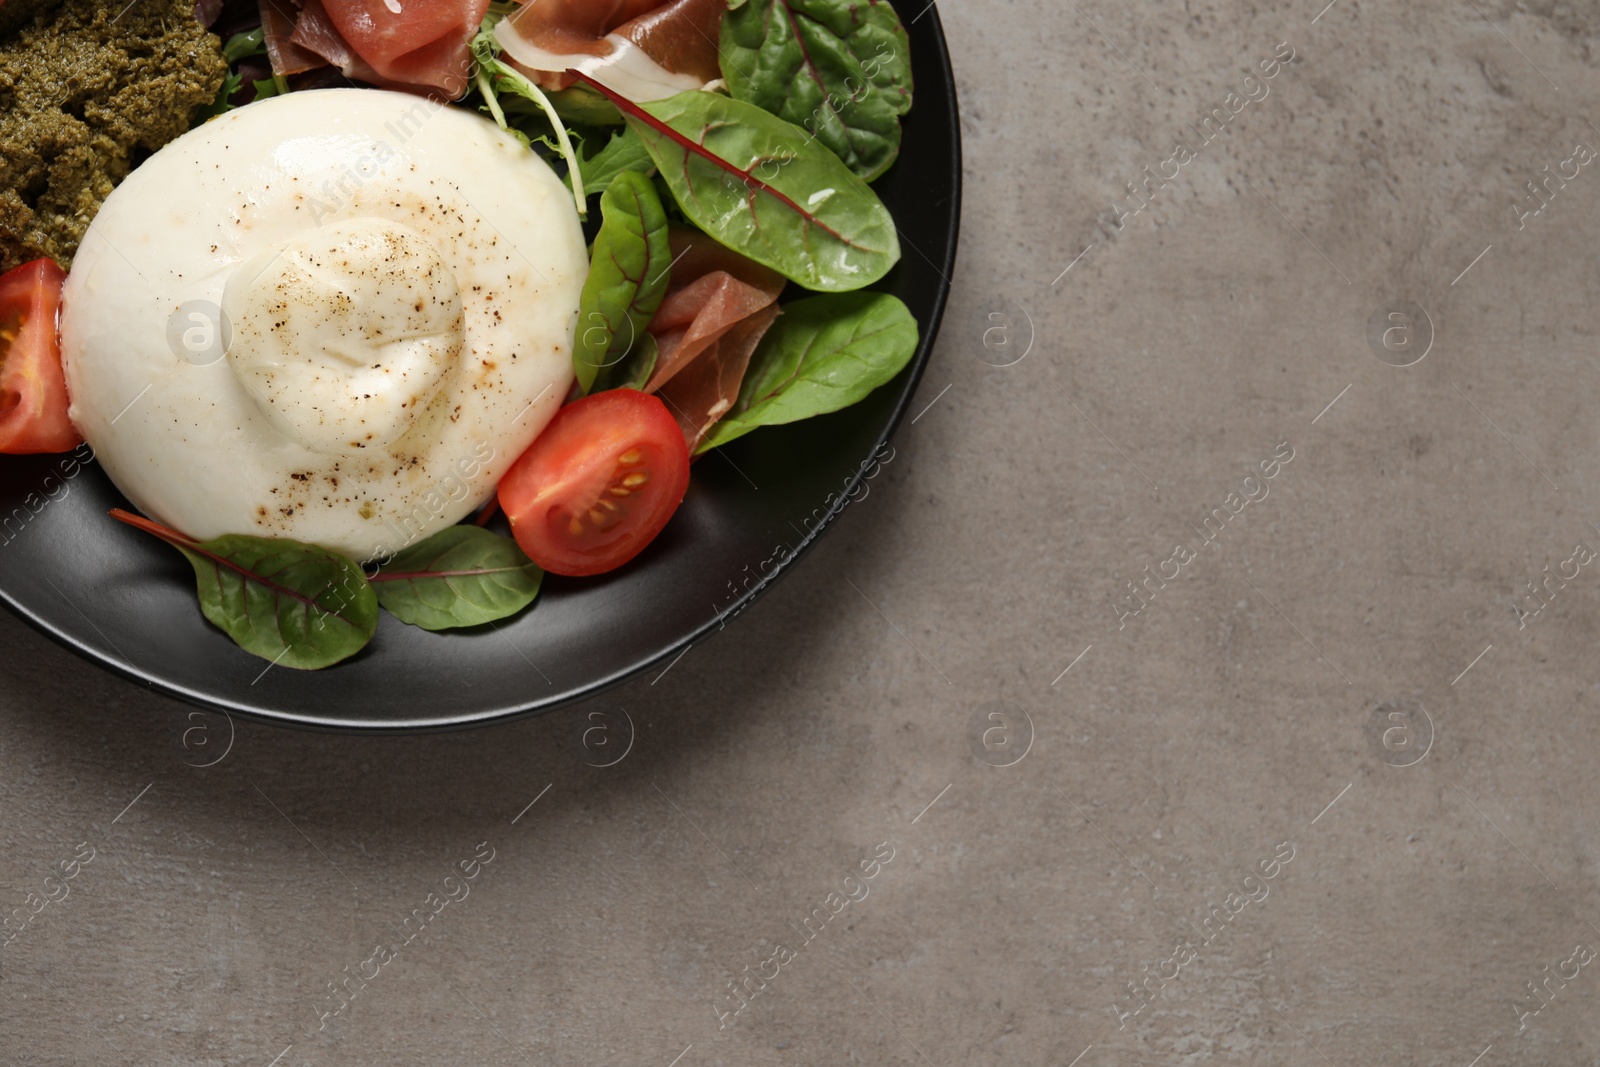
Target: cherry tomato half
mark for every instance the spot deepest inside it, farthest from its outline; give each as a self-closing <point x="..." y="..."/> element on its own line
<point x="598" y="484"/>
<point x="33" y="392"/>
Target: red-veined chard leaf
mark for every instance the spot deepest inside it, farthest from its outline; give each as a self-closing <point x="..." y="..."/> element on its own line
<point x="765" y="188"/>
<point x="294" y="604"/>
<point x="628" y="276"/>
<point x="839" y="68"/>
<point x="824" y="353"/>
<point x="461" y="576"/>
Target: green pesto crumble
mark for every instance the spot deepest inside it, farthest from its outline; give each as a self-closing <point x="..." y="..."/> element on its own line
<point x="88" y="89"/>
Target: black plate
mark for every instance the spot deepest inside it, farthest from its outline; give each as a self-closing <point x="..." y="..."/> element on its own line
<point x="127" y="601"/>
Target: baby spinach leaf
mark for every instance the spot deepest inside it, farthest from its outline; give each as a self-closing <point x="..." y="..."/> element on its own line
<point x="627" y="279"/>
<point x="461" y="576"/>
<point x="625" y="151"/>
<point x="765" y="188"/>
<point x="295" y="604"/>
<point x="839" y="68"/>
<point x="824" y="353"/>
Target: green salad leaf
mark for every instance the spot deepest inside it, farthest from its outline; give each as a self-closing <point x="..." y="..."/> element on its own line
<point x="295" y="604"/>
<point x="624" y="152"/>
<point x="839" y="68"/>
<point x="824" y="353"/>
<point x="627" y="278"/>
<point x="277" y="85"/>
<point x="766" y="189"/>
<point x="461" y="576"/>
<point x="240" y="46"/>
<point x="245" y="45"/>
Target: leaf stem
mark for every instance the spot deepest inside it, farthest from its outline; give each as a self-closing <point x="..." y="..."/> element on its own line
<point x="407" y="576"/>
<point x="491" y="98"/>
<point x="166" y="533"/>
<point x="189" y="544"/>
<point x="536" y="94"/>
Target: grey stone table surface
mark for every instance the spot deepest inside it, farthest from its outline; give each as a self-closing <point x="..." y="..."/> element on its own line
<point x="1209" y="677"/>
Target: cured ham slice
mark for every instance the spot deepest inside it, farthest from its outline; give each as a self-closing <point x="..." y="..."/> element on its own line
<point x="278" y="22"/>
<point x="642" y="49"/>
<point x="412" y="42"/>
<point x="717" y="308"/>
<point x="706" y="389"/>
<point x="414" y="45"/>
<point x="315" y="32"/>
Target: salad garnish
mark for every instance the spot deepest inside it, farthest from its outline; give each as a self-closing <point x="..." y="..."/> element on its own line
<point x="294" y="604"/>
<point x="765" y="189"/>
<point x="627" y="279"/>
<point x="841" y="68"/>
<point x="461" y="576"/>
<point x="823" y="354"/>
<point x="304" y="606"/>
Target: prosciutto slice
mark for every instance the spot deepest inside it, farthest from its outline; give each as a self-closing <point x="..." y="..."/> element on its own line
<point x="642" y="49"/>
<point x="412" y="42"/>
<point x="279" y="19"/>
<point x="315" y="32"/>
<point x="420" y="46"/>
<point x="717" y="308"/>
